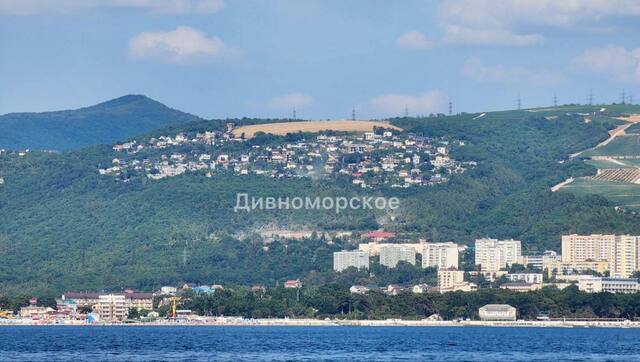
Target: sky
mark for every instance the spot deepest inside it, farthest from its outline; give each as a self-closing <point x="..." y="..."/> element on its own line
<point x="265" y="58"/>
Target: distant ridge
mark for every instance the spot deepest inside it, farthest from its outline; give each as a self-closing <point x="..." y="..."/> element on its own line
<point x="106" y="122"/>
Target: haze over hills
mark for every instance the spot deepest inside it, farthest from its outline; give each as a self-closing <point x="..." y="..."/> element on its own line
<point x="107" y="122"/>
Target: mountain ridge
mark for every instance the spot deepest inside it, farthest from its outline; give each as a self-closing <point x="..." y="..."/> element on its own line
<point x="106" y="122"/>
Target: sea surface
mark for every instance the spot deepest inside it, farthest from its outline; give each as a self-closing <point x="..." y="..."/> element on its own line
<point x="173" y="343"/>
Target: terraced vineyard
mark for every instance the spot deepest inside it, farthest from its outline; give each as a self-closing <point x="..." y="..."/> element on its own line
<point x="626" y="175"/>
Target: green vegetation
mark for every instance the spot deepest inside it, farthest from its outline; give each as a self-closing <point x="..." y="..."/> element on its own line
<point x="103" y="123"/>
<point x="66" y="227"/>
<point x="623" y="194"/>
<point x="628" y="145"/>
<point x="333" y="301"/>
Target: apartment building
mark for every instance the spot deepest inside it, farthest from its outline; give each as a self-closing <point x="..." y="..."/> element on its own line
<point x="390" y="256"/>
<point x="450" y="280"/>
<point x="493" y="254"/>
<point x="619" y="251"/>
<point x="346" y="259"/>
<point x="439" y="255"/>
<point x="112" y="308"/>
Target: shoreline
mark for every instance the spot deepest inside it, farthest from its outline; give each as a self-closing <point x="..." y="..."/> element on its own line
<point x="239" y="322"/>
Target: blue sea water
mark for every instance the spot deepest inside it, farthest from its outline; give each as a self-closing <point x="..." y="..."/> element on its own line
<point x="134" y="343"/>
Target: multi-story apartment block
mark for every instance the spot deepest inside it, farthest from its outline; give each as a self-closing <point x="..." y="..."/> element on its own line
<point x="346" y="259"/>
<point x="619" y="251"/>
<point x="439" y="255"/>
<point x="112" y="308"/>
<point x="390" y="256"/>
<point x="541" y="262"/>
<point x="493" y="254"/>
<point x="451" y="279"/>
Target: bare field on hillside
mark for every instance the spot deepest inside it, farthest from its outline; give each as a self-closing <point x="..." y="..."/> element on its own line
<point x="283" y="128"/>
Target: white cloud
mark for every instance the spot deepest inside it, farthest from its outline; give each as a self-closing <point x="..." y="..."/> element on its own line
<point x="612" y="61"/>
<point x="394" y="104"/>
<point x="183" y="45"/>
<point x="522" y="22"/>
<point x="476" y="70"/>
<point x="28" y="7"/>
<point x="413" y="40"/>
<point x="292" y="100"/>
<point x="456" y="34"/>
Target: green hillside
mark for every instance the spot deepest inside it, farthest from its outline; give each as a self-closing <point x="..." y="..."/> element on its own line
<point x="64" y="226"/>
<point x="106" y="122"/>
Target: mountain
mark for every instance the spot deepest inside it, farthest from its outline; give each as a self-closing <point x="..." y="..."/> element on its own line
<point x="65" y="226"/>
<point x="107" y="122"/>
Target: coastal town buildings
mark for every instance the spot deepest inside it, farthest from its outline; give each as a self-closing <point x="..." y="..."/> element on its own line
<point x="619" y="252"/>
<point x="451" y="280"/>
<point x="391" y="255"/>
<point x="493" y="254"/>
<point x="439" y="255"/>
<point x="591" y="284"/>
<point x="347" y="259"/>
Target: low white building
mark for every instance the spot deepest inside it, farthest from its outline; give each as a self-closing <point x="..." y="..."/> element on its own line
<point x="531" y="278"/>
<point x="591" y="284"/>
<point x="497" y="312"/>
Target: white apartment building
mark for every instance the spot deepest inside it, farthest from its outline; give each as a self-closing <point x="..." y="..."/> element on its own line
<point x="345" y="259"/>
<point x="450" y="280"/>
<point x="390" y="256"/>
<point x="591" y="284"/>
<point x="529" y="278"/>
<point x="112" y="308"/>
<point x="493" y="254"/>
<point x="439" y="255"/>
<point x="620" y="251"/>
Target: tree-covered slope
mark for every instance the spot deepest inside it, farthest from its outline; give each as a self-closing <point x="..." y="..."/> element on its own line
<point x="107" y="122"/>
<point x="64" y="226"/>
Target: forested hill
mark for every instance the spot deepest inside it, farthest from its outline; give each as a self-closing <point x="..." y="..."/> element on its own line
<point x="65" y="226"/>
<point x="106" y="122"/>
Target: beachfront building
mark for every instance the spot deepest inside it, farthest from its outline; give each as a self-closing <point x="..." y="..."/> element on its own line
<point x="391" y="255"/>
<point x="591" y="284"/>
<point x="497" y="312"/>
<point x="112" y="308"/>
<point x="439" y="255"/>
<point x="493" y="254"/>
<point x="347" y="259"/>
<point x="620" y="252"/>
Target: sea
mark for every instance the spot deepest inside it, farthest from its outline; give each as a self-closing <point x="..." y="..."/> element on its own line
<point x="340" y="343"/>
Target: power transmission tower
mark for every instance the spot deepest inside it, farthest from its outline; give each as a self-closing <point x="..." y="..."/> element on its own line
<point x="406" y="110"/>
<point x="624" y="97"/>
<point x="294" y="113"/>
<point x="590" y="97"/>
<point x="555" y="100"/>
<point x="630" y="98"/>
<point x="519" y="102"/>
<point x="353" y="113"/>
<point x="450" y="108"/>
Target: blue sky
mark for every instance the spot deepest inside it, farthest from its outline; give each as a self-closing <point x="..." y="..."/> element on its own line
<point x="219" y="58"/>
